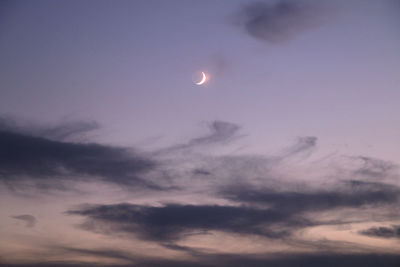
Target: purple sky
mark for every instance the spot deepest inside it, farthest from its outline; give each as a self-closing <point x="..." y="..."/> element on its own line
<point x="110" y="154"/>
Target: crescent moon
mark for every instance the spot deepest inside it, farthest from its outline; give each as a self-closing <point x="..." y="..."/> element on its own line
<point x="203" y="80"/>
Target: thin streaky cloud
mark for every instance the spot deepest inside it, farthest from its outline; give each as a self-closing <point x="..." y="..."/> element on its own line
<point x="30" y="220"/>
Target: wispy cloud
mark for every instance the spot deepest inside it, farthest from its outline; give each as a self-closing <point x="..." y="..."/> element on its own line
<point x="29" y="220"/>
<point x="243" y="196"/>
<point x="375" y="168"/>
<point x="219" y="132"/>
<point x="64" y="131"/>
<point x="358" y="195"/>
<point x="263" y="212"/>
<point x="383" y="232"/>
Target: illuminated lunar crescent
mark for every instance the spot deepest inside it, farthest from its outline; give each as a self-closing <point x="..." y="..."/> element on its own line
<point x="203" y="80"/>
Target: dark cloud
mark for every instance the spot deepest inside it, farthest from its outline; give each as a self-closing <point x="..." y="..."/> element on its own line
<point x="7" y="123"/>
<point x="222" y="260"/>
<point x="49" y="264"/>
<point x="67" y="130"/>
<point x="356" y="194"/>
<point x="383" y="232"/>
<point x="260" y="203"/>
<point x="278" y="21"/>
<point x="309" y="260"/>
<point x="45" y="154"/>
<point x="173" y="222"/>
<point x="29" y="220"/>
<point x="265" y="212"/>
<point x="29" y="157"/>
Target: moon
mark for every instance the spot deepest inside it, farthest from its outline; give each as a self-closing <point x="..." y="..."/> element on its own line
<point x="203" y="80"/>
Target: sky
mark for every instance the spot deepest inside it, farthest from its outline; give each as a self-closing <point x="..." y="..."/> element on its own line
<point x="112" y="155"/>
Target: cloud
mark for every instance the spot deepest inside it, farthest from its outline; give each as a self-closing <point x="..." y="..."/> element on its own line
<point x="383" y="232"/>
<point x="173" y="222"/>
<point x="29" y="157"/>
<point x="262" y="212"/>
<point x="29" y="220"/>
<point x="268" y="208"/>
<point x="304" y="146"/>
<point x="47" y="155"/>
<point x="201" y="172"/>
<point x="279" y="21"/>
<point x="53" y="264"/>
<point x="249" y="197"/>
<point x="220" y="132"/>
<point x="356" y="194"/>
<point x="67" y="130"/>
<point x="375" y="168"/>
<point x="225" y="260"/>
<point x="100" y="253"/>
<point x="304" y="259"/>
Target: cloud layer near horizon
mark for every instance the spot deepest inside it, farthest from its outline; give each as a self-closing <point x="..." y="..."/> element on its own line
<point x="241" y="196"/>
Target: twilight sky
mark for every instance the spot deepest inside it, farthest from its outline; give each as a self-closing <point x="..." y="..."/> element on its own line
<point x="288" y="155"/>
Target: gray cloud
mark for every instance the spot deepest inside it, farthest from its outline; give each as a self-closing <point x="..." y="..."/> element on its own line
<point x="279" y="21"/>
<point x="220" y="132"/>
<point x="226" y="168"/>
<point x="383" y="232"/>
<point x="303" y="259"/>
<point x="222" y="260"/>
<point x="47" y="155"/>
<point x="375" y="168"/>
<point x="29" y="220"/>
<point x="260" y="203"/>
<point x="173" y="222"/>
<point x="29" y="157"/>
<point x="201" y="172"/>
<point x="262" y="211"/>
<point x="357" y="194"/>
<point x="304" y="146"/>
<point x="67" y="130"/>
<point x="100" y="253"/>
